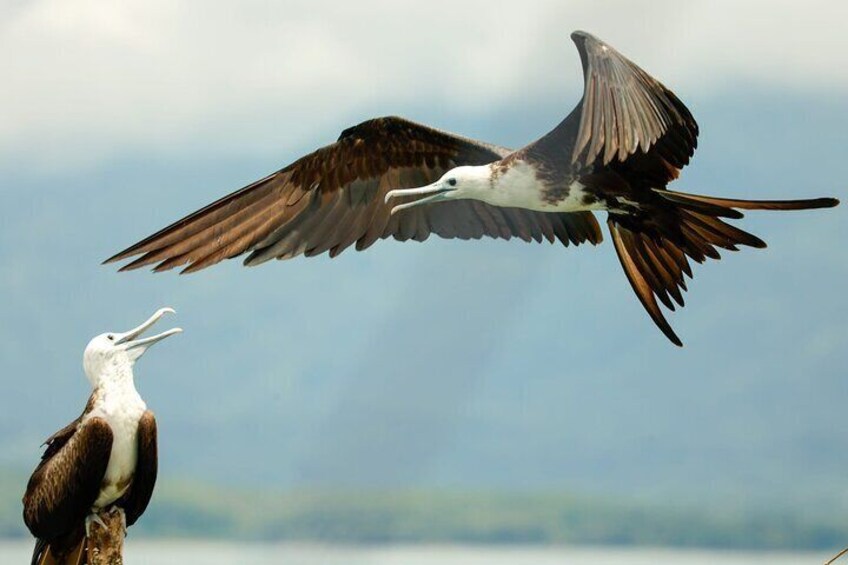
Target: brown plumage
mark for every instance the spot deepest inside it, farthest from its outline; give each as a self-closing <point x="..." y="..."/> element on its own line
<point x="334" y="198"/>
<point x="653" y="250"/>
<point x="619" y="148"/>
<point x="65" y="484"/>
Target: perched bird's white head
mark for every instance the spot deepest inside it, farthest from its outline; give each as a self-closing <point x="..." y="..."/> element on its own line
<point x="458" y="183"/>
<point x="112" y="355"/>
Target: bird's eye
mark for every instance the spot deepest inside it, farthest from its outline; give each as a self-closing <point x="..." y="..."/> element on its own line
<point x="452" y="182"/>
<point x="111" y="337"/>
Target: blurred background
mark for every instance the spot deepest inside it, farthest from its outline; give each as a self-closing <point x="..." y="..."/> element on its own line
<point x="449" y="393"/>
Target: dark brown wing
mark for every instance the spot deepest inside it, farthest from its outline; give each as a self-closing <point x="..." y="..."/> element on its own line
<point x="334" y="198"/>
<point x="66" y="482"/>
<point x="643" y="263"/>
<point x="628" y="138"/>
<point x="55" y="442"/>
<point x="627" y="126"/>
<point x="624" y="110"/>
<point x="135" y="501"/>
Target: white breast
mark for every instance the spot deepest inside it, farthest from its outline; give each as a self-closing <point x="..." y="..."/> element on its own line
<point x="122" y="408"/>
<point x="518" y="187"/>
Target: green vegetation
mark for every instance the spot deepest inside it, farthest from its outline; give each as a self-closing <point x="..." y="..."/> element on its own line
<point x="189" y="510"/>
<point x="383" y="517"/>
<point x="12" y="487"/>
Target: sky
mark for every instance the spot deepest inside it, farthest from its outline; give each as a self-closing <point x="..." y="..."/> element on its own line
<point x="90" y="81"/>
<point x="446" y="363"/>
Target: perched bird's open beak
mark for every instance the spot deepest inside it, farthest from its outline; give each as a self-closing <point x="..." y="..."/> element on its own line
<point x="431" y="193"/>
<point x="128" y="339"/>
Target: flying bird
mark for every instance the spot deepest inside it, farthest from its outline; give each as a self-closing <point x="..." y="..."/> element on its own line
<point x="105" y="458"/>
<point x="618" y="149"/>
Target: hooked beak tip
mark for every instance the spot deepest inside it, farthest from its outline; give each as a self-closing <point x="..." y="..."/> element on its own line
<point x="131" y="336"/>
<point x="145" y="343"/>
<point x="431" y="193"/>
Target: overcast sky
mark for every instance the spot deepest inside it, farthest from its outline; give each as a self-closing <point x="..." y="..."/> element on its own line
<point x="86" y="79"/>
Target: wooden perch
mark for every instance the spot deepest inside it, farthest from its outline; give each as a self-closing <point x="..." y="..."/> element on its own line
<point x="106" y="545"/>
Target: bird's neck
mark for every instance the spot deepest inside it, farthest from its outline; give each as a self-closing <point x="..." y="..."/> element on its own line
<point x="117" y="397"/>
<point x="117" y="378"/>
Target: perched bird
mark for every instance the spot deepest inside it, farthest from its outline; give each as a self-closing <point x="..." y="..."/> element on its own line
<point x="106" y="457"/>
<point x="388" y="177"/>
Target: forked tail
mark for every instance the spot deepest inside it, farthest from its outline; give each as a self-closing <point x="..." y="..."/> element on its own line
<point x="70" y="551"/>
<point x="654" y="246"/>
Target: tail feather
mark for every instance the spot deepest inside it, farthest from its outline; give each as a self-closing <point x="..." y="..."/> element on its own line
<point x="654" y="247"/>
<point x="41" y="547"/>
<point x="707" y="232"/>
<point x="723" y="234"/>
<point x="74" y="554"/>
<point x="67" y="549"/>
<point x="690" y="200"/>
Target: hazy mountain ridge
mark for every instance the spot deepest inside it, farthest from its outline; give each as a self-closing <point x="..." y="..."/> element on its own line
<point x="186" y="509"/>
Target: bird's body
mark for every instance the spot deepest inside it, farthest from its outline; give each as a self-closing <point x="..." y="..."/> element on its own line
<point x="617" y="151"/>
<point x="105" y="458"/>
<point x="122" y="408"/>
<point x="515" y="183"/>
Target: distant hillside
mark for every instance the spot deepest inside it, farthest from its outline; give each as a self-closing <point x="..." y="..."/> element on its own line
<point x="206" y="511"/>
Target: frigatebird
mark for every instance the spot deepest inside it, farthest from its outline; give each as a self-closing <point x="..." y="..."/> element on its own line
<point x="105" y="459"/>
<point x="389" y="177"/>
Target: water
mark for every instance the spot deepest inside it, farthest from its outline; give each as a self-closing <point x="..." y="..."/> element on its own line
<point x="144" y="552"/>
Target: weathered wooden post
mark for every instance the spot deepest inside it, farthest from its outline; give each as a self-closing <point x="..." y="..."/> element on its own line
<point x="106" y="545"/>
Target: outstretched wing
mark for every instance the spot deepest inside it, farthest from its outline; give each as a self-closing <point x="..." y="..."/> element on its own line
<point x="627" y="124"/>
<point x="135" y="501"/>
<point x="625" y="111"/>
<point x="334" y="198"/>
<point x="66" y="482"/>
<point x="627" y="139"/>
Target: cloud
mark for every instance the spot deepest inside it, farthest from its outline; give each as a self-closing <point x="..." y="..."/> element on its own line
<point x="86" y="80"/>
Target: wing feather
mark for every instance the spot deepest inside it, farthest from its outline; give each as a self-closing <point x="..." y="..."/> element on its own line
<point x="333" y="198"/>
<point x="622" y="240"/>
<point x="66" y="483"/>
<point x="135" y="501"/>
<point x="625" y="110"/>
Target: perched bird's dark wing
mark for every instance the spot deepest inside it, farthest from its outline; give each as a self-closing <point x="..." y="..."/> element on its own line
<point x="67" y="480"/>
<point x="334" y="198"/>
<point x="144" y="479"/>
<point x="58" y="440"/>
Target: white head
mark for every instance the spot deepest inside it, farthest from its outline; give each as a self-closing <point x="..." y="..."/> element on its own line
<point x="460" y="182"/>
<point x="112" y="355"/>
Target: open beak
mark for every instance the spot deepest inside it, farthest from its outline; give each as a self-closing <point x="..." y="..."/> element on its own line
<point x="131" y="339"/>
<point x="431" y="193"/>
